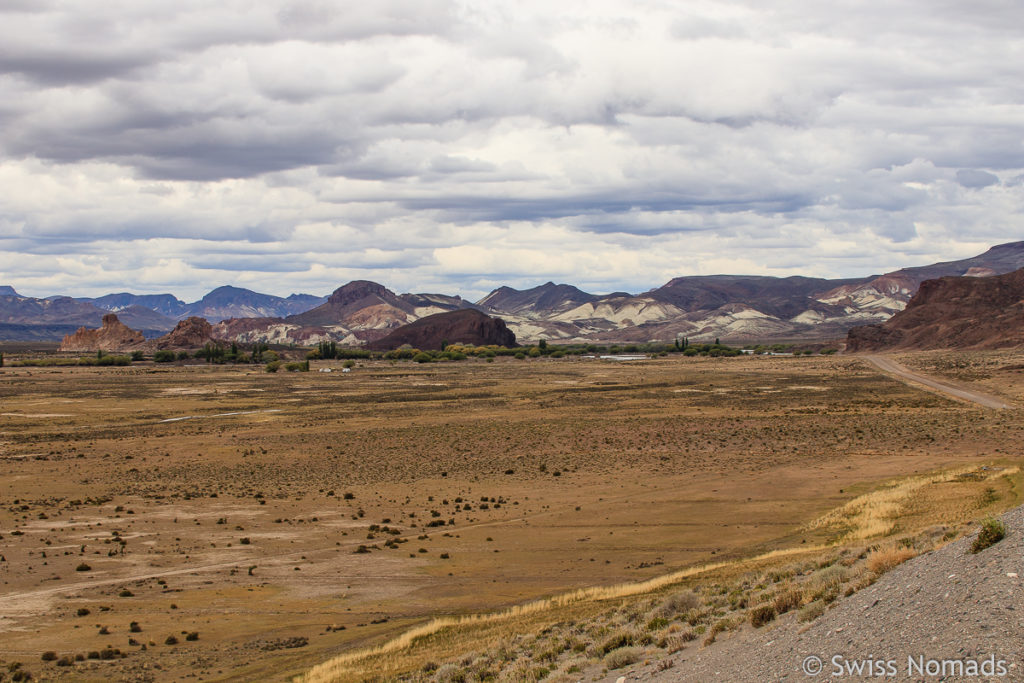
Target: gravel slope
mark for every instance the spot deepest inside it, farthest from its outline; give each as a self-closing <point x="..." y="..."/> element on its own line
<point x="943" y="605"/>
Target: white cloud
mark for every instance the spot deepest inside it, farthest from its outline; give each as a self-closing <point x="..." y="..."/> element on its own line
<point x="442" y="144"/>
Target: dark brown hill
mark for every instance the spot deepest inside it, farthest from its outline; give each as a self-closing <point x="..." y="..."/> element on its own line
<point x="361" y="295"/>
<point x="952" y="312"/>
<point x="191" y="333"/>
<point x="467" y="326"/>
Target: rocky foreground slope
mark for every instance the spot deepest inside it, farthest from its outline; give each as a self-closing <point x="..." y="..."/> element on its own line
<point x="936" y="617"/>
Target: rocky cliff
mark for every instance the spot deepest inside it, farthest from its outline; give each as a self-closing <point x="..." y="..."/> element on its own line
<point x="952" y="312"/>
<point x="113" y="335"/>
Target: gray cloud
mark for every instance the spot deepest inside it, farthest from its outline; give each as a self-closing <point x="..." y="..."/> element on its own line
<point x="162" y="142"/>
<point x="973" y="178"/>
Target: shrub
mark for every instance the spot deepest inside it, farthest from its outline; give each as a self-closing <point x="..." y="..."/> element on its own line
<point x="992" y="531"/>
<point x="49" y="656"/>
<point x="273" y="366"/>
<point x="171" y="640"/>
<point x="83" y="611"/>
<point x="422" y="357"/>
<point x="192" y="635"/>
<point x="811" y="611"/>
<point x="83" y="567"/>
<point x="678" y="603"/>
<point x="164" y="356"/>
<point x="616" y="641"/>
<point x="759" y="616"/>
<point x="787" y="601"/>
<point x="623" y="656"/>
<point x="125" y="593"/>
<point x="882" y="560"/>
<point x="134" y="627"/>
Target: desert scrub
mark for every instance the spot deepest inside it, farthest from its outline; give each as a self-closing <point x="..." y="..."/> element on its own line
<point x="759" y="616"/>
<point x="787" y="600"/>
<point x="449" y="673"/>
<point x="811" y="611"/>
<point x="883" y="559"/>
<point x="825" y="584"/>
<point x="992" y="531"/>
<point x="619" y="639"/>
<point x="719" y="627"/>
<point x="624" y="656"/>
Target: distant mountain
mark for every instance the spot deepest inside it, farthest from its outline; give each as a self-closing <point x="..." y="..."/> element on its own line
<point x="165" y="304"/>
<point x="467" y="326"/>
<point x="541" y="301"/>
<point x="734" y="308"/>
<point x="29" y="318"/>
<point x="952" y="312"/>
<point x="236" y="302"/>
<point x="363" y="305"/>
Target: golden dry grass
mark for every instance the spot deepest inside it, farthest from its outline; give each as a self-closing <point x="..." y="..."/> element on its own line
<point x="884" y="559"/>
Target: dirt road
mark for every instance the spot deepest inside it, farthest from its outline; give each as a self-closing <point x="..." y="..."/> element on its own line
<point x="890" y="366"/>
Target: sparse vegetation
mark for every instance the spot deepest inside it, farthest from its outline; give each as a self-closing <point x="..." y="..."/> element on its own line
<point x="992" y="531"/>
<point x="308" y="466"/>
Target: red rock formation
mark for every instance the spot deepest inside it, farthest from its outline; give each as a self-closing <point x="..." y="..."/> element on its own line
<point x="191" y="333"/>
<point x="113" y="335"/>
<point x="952" y="312"/>
<point x="468" y="326"/>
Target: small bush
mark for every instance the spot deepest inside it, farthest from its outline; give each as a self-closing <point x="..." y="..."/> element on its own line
<point x="787" y="601"/>
<point x="882" y="560"/>
<point x="811" y="611"/>
<point x="83" y="611"/>
<point x="992" y="531"/>
<point x="192" y="635"/>
<point x="273" y="366"/>
<point x="422" y="357"/>
<point x="678" y="603"/>
<point x="759" y="616"/>
<point x="623" y="656"/>
<point x="49" y="656"/>
<point x="83" y="567"/>
<point x="618" y="640"/>
<point x="134" y="627"/>
<point x="171" y="640"/>
<point x="125" y="593"/>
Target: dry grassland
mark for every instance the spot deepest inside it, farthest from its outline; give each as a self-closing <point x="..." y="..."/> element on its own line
<point x="284" y="519"/>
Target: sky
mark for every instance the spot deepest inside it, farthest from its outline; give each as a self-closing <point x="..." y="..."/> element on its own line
<point x="455" y="146"/>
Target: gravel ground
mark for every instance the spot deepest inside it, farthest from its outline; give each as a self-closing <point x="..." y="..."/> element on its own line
<point x="944" y="605"/>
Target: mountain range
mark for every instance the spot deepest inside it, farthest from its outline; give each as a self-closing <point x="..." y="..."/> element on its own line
<point x="736" y="308"/>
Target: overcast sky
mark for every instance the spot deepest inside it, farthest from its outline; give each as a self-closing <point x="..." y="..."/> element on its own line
<point x="446" y="146"/>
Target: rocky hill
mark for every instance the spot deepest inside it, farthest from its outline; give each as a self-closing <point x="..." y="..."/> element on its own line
<point x="191" y="333"/>
<point x="468" y="326"/>
<point x="735" y="308"/>
<point x="113" y="335"/>
<point x="952" y="312"/>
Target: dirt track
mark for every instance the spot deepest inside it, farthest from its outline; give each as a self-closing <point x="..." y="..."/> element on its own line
<point x="892" y="367"/>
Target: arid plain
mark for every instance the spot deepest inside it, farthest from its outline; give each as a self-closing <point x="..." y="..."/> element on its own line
<point x="223" y="523"/>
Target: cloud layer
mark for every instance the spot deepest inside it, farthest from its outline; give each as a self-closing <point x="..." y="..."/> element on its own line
<point x="436" y="145"/>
